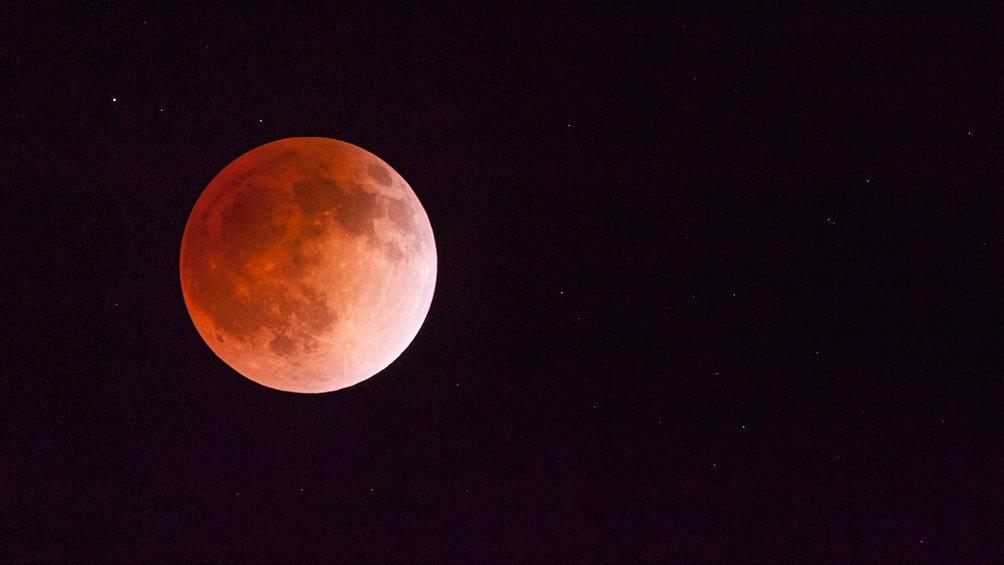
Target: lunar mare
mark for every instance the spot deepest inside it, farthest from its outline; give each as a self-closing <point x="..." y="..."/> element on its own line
<point x="308" y="264"/>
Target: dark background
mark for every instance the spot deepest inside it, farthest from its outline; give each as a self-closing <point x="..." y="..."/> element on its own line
<point x="713" y="286"/>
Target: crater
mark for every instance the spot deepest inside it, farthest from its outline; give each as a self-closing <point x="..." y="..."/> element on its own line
<point x="380" y="174"/>
<point x="281" y="345"/>
<point x="400" y="214"/>
<point x="299" y="259"/>
<point x="315" y="314"/>
<point x="317" y="194"/>
<point x="392" y="250"/>
<point x="356" y="213"/>
<point x="315" y="227"/>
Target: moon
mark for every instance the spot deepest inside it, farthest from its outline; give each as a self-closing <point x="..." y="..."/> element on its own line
<point x="308" y="265"/>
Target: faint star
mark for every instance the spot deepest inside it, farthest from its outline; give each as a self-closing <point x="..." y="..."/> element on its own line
<point x="114" y="99"/>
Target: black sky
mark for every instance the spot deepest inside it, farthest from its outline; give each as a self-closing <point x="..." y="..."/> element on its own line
<point x="713" y="287"/>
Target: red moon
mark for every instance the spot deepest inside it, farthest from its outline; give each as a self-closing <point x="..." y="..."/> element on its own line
<point x="308" y="264"/>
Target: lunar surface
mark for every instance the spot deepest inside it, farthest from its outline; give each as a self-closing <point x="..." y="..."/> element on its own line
<point x="308" y="264"/>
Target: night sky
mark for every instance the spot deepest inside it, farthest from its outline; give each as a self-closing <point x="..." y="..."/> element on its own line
<point x="713" y="287"/>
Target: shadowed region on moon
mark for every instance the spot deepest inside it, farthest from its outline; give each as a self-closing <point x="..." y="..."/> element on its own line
<point x="227" y="291"/>
<point x="292" y="257"/>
